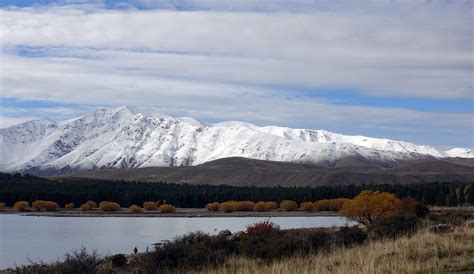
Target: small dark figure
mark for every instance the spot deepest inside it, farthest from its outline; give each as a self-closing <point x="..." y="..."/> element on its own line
<point x="135" y="250"/>
<point x="147" y="249"/>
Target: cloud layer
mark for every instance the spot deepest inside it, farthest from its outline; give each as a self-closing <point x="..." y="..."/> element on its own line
<point x="217" y="63"/>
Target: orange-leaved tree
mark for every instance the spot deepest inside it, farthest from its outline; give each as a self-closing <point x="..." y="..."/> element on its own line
<point x="212" y="206"/>
<point x="370" y="206"/>
<point x="135" y="209"/>
<point x="150" y="205"/>
<point x="166" y="208"/>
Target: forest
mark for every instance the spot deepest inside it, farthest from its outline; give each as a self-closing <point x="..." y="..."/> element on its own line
<point x="16" y="187"/>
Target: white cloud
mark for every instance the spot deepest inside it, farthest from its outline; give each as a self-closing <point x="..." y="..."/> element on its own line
<point x="248" y="66"/>
<point x="419" y="56"/>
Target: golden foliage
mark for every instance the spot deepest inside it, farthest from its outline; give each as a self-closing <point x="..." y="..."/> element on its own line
<point x="271" y="205"/>
<point x="244" y="206"/>
<point x="92" y="204"/>
<point x="228" y="207"/>
<point x="288" y="205"/>
<point x="212" y="206"/>
<point x="85" y="207"/>
<point x="260" y="207"/>
<point x="45" y="205"/>
<point x="69" y="206"/>
<point x="369" y="206"/>
<point x="166" y="208"/>
<point x="109" y="206"/>
<point x="2" y="206"/>
<point x="21" y="205"/>
<point x="135" y="209"/>
<point x="329" y="204"/>
<point x="307" y="206"/>
<point x="150" y="206"/>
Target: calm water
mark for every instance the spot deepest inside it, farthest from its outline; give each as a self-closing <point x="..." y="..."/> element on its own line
<point x="48" y="238"/>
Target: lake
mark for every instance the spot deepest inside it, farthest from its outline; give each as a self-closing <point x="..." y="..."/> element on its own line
<point x="49" y="238"/>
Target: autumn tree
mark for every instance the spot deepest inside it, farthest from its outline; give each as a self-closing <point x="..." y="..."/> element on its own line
<point x="370" y="206"/>
<point x="85" y="207"/>
<point x="307" y="206"/>
<point x="2" y="206"/>
<point x="135" y="209"/>
<point x="245" y="206"/>
<point x="288" y="205"/>
<point x="21" y="205"/>
<point x="271" y="205"/>
<point x="228" y="207"/>
<point x="166" y="209"/>
<point x="260" y="207"/>
<point x="149" y="205"/>
<point x="109" y="206"/>
<point x="212" y="206"/>
<point x="69" y="206"/>
<point x="92" y="204"/>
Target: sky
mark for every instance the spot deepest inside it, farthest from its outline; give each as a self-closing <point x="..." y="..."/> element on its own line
<point x="398" y="69"/>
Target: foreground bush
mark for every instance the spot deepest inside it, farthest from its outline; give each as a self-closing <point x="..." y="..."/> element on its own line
<point x="212" y="206"/>
<point x="135" y="209"/>
<point x="167" y="209"/>
<point x="69" y="206"/>
<point x="419" y="253"/>
<point x="150" y="206"/>
<point x="109" y="206"/>
<point x="263" y="227"/>
<point x="40" y="205"/>
<point x="119" y="260"/>
<point x="194" y="250"/>
<point x="393" y="227"/>
<point x="21" y="206"/>
<point x="288" y="205"/>
<point x="85" y="207"/>
<point x="78" y="261"/>
<point x="262" y="240"/>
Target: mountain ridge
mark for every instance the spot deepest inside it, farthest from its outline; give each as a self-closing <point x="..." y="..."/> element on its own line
<point x="238" y="171"/>
<point x="131" y="137"/>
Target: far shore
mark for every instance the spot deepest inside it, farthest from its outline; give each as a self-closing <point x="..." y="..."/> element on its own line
<point x="180" y="213"/>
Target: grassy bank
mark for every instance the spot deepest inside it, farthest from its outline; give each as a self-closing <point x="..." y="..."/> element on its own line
<point x="423" y="252"/>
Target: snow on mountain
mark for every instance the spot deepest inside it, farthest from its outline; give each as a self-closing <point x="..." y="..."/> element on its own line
<point x="460" y="152"/>
<point x="128" y="137"/>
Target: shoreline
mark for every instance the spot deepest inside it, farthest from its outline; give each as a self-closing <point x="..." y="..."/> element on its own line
<point x="180" y="213"/>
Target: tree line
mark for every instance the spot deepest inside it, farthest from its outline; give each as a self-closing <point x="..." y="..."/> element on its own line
<point x="17" y="187"/>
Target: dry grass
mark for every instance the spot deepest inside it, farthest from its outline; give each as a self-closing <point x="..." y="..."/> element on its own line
<point x="423" y="252"/>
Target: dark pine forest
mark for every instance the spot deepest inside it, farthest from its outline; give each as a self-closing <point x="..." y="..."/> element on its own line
<point x="16" y="187"/>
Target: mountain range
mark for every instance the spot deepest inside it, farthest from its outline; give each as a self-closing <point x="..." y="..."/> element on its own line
<point x="135" y="138"/>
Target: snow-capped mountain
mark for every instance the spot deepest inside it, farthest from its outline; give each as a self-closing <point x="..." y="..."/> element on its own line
<point x="127" y="137"/>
